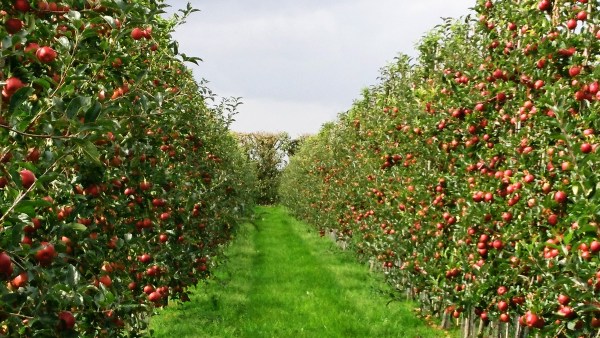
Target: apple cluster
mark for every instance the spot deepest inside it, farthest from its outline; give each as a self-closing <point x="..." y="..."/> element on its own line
<point x="119" y="180"/>
<point x="469" y="175"/>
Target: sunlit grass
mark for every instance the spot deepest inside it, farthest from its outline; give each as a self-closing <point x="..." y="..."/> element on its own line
<point x="283" y="280"/>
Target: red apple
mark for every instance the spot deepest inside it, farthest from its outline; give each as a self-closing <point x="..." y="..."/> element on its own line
<point x="22" y="5"/>
<point x="154" y="296"/>
<point x="544" y="5"/>
<point x="539" y="84"/>
<point x="163" y="238"/>
<point x="66" y="321"/>
<point x="27" y="178"/>
<point x="13" y="25"/>
<point x="574" y="71"/>
<point x="6" y="267"/>
<point x="106" y="280"/>
<point x="560" y="196"/>
<point x="46" y="54"/>
<point x="137" y="33"/>
<point x="12" y="85"/>
<point x="46" y="254"/>
<point x="586" y="148"/>
<point x="20" y="280"/>
<point x="563" y="299"/>
<point x="595" y="246"/>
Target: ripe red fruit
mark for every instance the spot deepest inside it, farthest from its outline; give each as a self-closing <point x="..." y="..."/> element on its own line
<point x="145" y="258"/>
<point x="66" y="321"/>
<point x="531" y="319"/>
<point x="497" y="244"/>
<point x="544" y="5"/>
<point x="147" y="33"/>
<point x="33" y="155"/>
<point x="158" y="202"/>
<point x="574" y="71"/>
<point x="586" y="148"/>
<point x="148" y="289"/>
<point x="12" y="85"/>
<point x="538" y="84"/>
<point x="502" y="290"/>
<point x="595" y="246"/>
<point x="582" y="16"/>
<point x="572" y="24"/>
<point x="502" y="306"/>
<point x="563" y="299"/>
<point x="6" y="267"/>
<point x="27" y="178"/>
<point x="567" y="311"/>
<point x="504" y="317"/>
<point x="560" y="196"/>
<point x="106" y="280"/>
<point x="46" y="54"/>
<point x="163" y="238"/>
<point x="567" y="52"/>
<point x="13" y="25"/>
<point x="137" y="33"/>
<point x="22" y="5"/>
<point x="46" y="254"/>
<point x="20" y="280"/>
<point x="154" y="296"/>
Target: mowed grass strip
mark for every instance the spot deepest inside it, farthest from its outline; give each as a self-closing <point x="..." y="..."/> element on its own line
<point x="283" y="280"/>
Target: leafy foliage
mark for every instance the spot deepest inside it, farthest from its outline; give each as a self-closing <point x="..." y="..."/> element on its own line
<point x="119" y="182"/>
<point x="470" y="175"/>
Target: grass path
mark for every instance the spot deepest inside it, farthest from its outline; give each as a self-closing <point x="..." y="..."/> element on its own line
<point x="283" y="280"/>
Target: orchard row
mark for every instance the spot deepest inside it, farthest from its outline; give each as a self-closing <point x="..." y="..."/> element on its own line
<point x="471" y="174"/>
<point x="119" y="179"/>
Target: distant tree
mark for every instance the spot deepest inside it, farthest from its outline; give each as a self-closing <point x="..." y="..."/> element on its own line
<point x="270" y="153"/>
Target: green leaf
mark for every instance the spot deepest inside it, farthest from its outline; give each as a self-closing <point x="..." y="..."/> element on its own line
<point x="75" y="227"/>
<point x="42" y="83"/>
<point x="29" y="207"/>
<point x="7" y="42"/>
<point x="568" y="237"/>
<point x="77" y="104"/>
<point x="18" y="98"/>
<point x="89" y="150"/>
<point x="58" y="104"/>
<point x="92" y="114"/>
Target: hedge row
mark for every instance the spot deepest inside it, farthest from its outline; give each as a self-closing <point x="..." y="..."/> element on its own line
<point x="471" y="173"/>
<point x="119" y="179"/>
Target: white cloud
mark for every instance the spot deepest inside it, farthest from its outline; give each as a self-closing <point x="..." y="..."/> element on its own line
<point x="295" y="118"/>
<point x="303" y="54"/>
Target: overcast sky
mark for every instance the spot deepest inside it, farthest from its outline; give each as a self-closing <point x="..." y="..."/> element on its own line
<point x="298" y="63"/>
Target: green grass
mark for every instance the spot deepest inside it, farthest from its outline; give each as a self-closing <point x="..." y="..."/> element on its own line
<point x="283" y="280"/>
